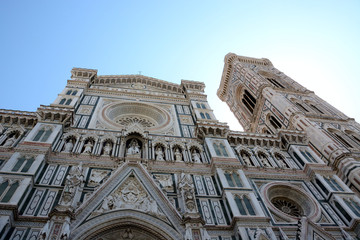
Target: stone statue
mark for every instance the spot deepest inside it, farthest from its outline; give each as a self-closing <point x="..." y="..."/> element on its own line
<point x="204" y="234"/>
<point x="107" y="149"/>
<point x="159" y="154"/>
<point x="281" y="162"/>
<point x="246" y="159"/>
<point x="44" y="231"/>
<point x="10" y="141"/>
<point x="134" y="148"/>
<point x="186" y="187"/>
<point x="69" y="146"/>
<point x="178" y="155"/>
<point x="66" y="232"/>
<point x="264" y="160"/>
<point x="72" y="182"/>
<point x="88" y="147"/>
<point x="195" y="156"/>
<point x="188" y="233"/>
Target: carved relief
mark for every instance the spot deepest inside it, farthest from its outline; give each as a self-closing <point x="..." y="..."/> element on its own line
<point x="131" y="195"/>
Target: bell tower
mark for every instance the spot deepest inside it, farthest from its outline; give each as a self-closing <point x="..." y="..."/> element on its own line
<point x="265" y="100"/>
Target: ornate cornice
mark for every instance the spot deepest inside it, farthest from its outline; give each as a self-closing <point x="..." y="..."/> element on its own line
<point x="27" y="119"/>
<point x="229" y="61"/>
<point x="281" y="140"/>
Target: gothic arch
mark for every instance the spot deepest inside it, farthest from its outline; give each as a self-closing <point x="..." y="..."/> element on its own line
<point x="121" y="220"/>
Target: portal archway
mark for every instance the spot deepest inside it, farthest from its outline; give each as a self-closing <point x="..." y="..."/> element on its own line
<point x="124" y="224"/>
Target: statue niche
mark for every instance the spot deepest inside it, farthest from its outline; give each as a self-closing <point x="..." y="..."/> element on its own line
<point x="11" y="139"/>
<point x="133" y="148"/>
<point x="69" y="145"/>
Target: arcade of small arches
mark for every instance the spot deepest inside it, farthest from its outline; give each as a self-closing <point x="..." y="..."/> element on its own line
<point x="133" y="145"/>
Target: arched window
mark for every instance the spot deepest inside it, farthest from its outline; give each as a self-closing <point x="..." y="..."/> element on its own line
<point x="43" y="135"/>
<point x="202" y="115"/>
<point x="203" y="106"/>
<point x="275" y="83"/>
<point x="316" y="109"/>
<point x="62" y="101"/>
<point x="342" y="210"/>
<point x="217" y="149"/>
<point x="68" y="101"/>
<point x="3" y="187"/>
<point x="308" y="156"/>
<point x="10" y="192"/>
<point x="249" y="101"/>
<point x="207" y="116"/>
<point x="68" y="92"/>
<point x="244" y="205"/>
<point x="223" y="150"/>
<point x="301" y="107"/>
<point x="354" y="206"/>
<point x="38" y="135"/>
<point x="233" y="179"/>
<point x="274" y="122"/>
<point x="198" y="105"/>
<point x="333" y="184"/>
<point x="74" y="93"/>
<point x="342" y="140"/>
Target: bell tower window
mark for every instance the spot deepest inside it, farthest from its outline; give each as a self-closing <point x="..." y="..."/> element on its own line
<point x="275" y="83"/>
<point x="274" y="122"/>
<point x="249" y="101"/>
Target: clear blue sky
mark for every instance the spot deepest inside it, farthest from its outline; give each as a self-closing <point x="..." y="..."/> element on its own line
<point x="314" y="42"/>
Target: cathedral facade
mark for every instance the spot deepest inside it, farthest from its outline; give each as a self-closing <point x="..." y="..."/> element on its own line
<point x="134" y="157"/>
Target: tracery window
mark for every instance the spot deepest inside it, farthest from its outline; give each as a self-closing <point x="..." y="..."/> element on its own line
<point x="275" y="83"/>
<point x="202" y="115"/>
<point x="68" y="92"/>
<point x="342" y="210"/>
<point x="198" y="105"/>
<point x="301" y="107"/>
<point x="7" y="190"/>
<point x="203" y="106"/>
<point x="249" y="101"/>
<point x="342" y="140"/>
<point x="287" y="206"/>
<point x="333" y="184"/>
<point x="23" y="163"/>
<point x="68" y="101"/>
<point x="62" y="101"/>
<point x="74" y="93"/>
<point x="220" y="149"/>
<point x="308" y="156"/>
<point x="233" y="179"/>
<point x="316" y="109"/>
<point x="274" y="122"/>
<point x="42" y="135"/>
<point x="244" y="205"/>
<point x="207" y="116"/>
<point x="354" y="206"/>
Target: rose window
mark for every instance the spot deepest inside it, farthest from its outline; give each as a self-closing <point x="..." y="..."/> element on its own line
<point x="287" y="206"/>
<point x="129" y="120"/>
<point x="127" y="114"/>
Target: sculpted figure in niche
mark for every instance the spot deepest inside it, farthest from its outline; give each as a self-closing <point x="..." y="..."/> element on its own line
<point x="134" y="148"/>
<point x="178" y="155"/>
<point x="281" y="161"/>
<point x="72" y="183"/>
<point x="107" y="148"/>
<point x="246" y="159"/>
<point x="69" y="146"/>
<point x="195" y="156"/>
<point x="10" y="141"/>
<point x="159" y="154"/>
<point x="263" y="160"/>
<point x="88" y="147"/>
